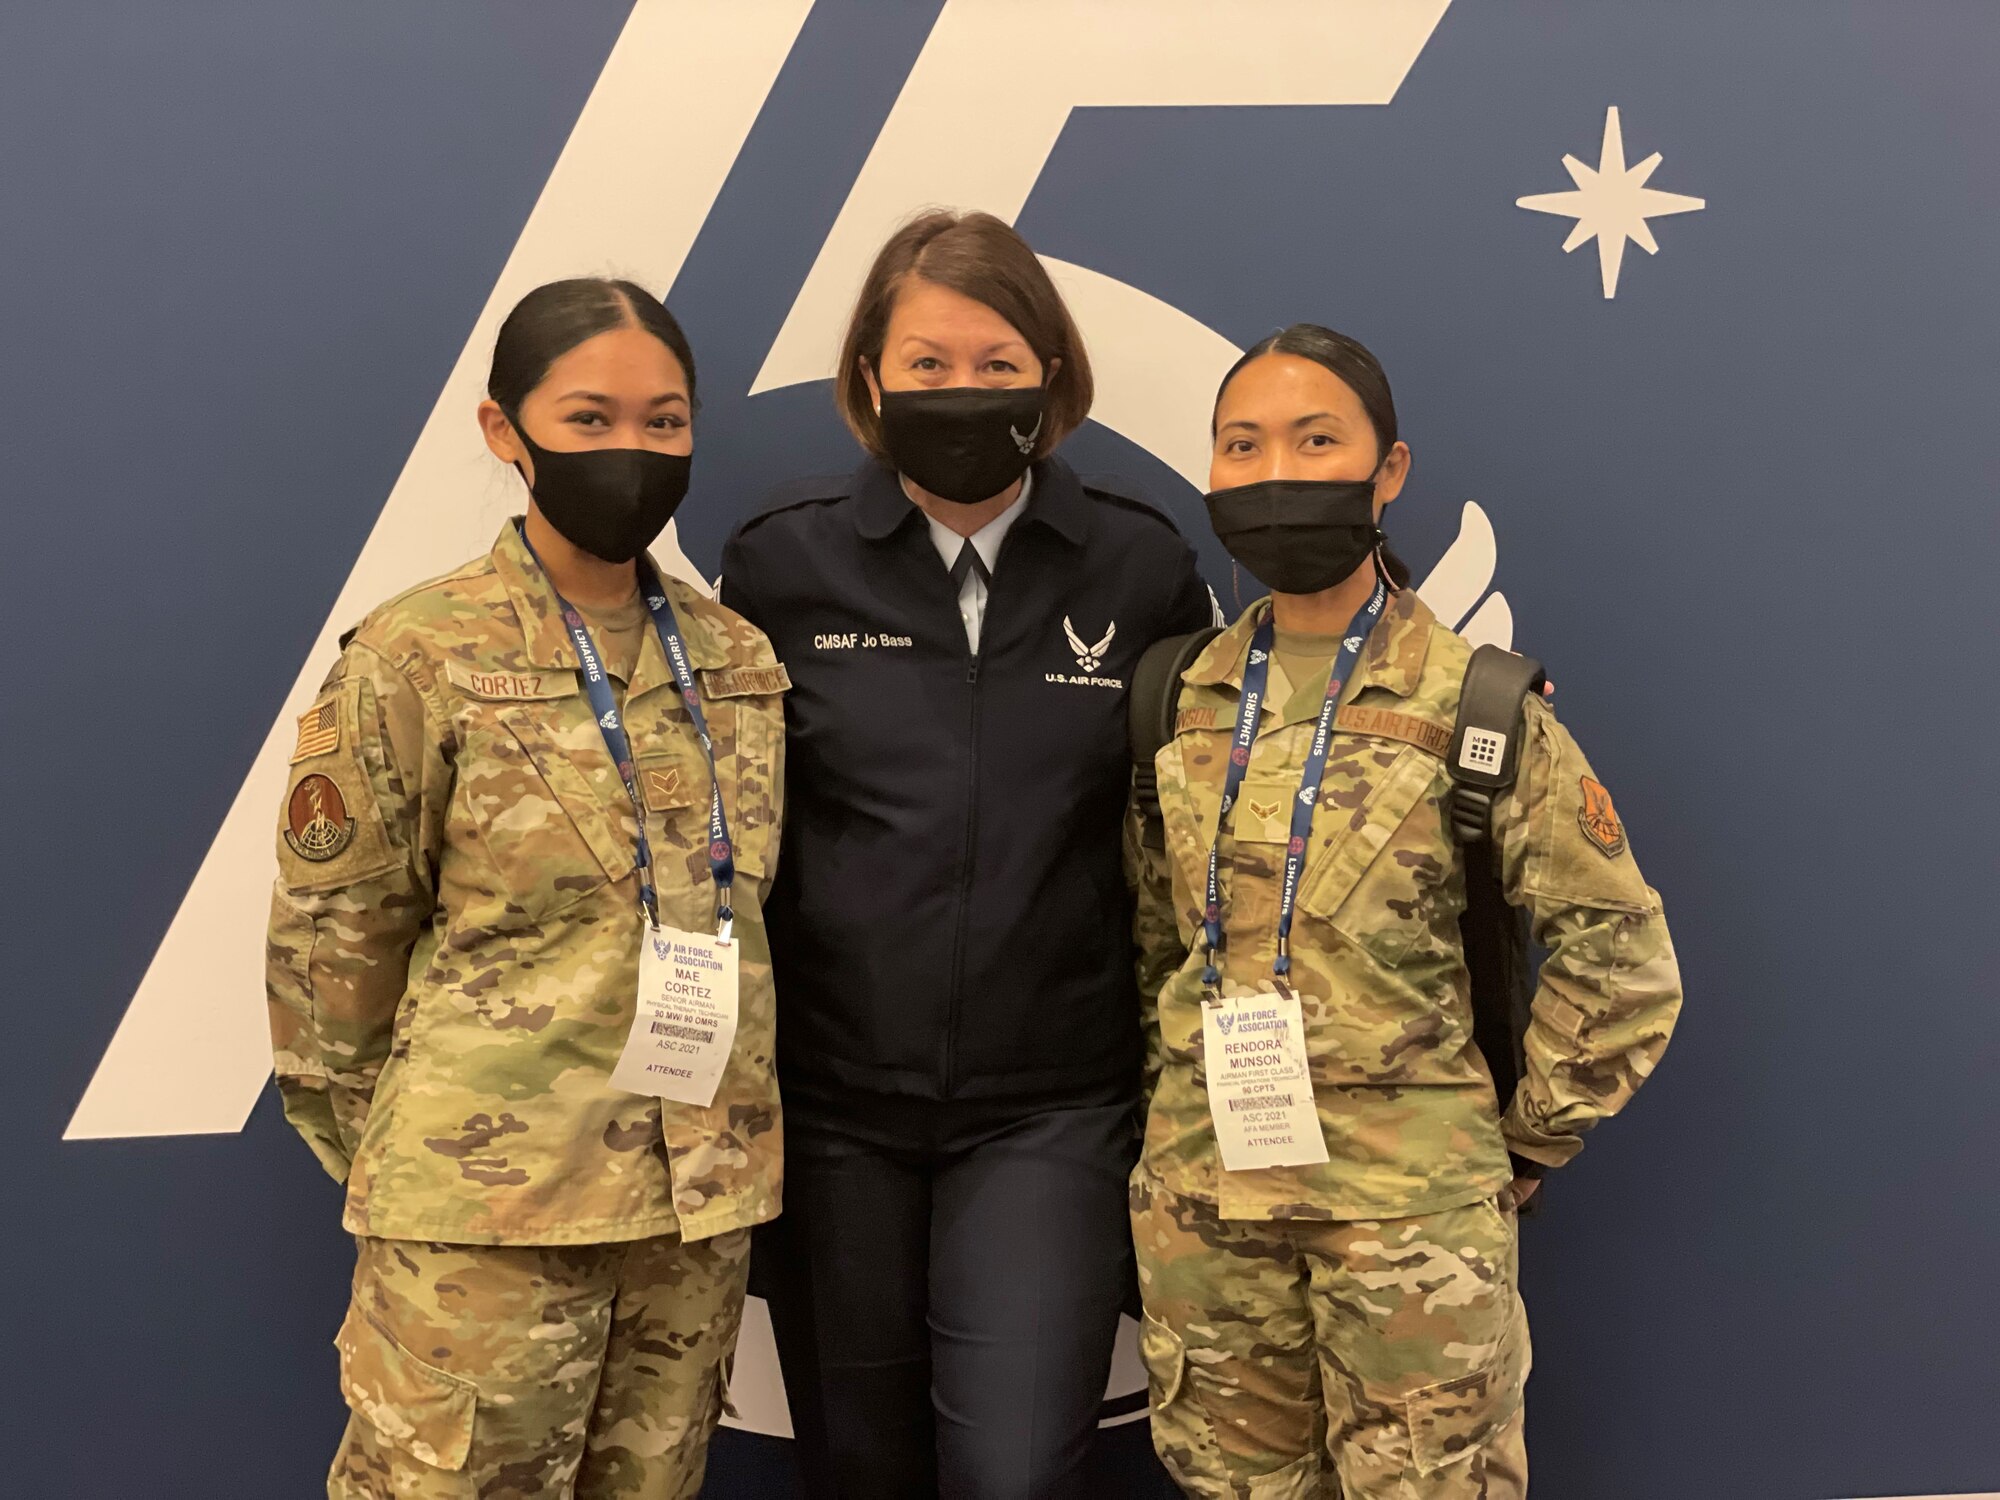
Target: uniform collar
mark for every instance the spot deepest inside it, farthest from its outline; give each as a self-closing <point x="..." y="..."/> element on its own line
<point x="987" y="539"/>
<point x="702" y="632"/>
<point x="1393" y="658"/>
<point x="546" y="639"/>
<point x="1055" y="499"/>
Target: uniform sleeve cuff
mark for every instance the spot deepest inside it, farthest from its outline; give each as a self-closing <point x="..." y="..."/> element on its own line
<point x="1542" y="1150"/>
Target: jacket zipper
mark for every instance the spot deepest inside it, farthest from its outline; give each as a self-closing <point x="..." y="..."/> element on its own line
<point x="949" y="1070"/>
<point x="952" y="1000"/>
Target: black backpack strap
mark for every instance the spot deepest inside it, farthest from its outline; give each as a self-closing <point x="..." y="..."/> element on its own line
<point x="1484" y="759"/>
<point x="1151" y="707"/>
<point x="1485" y="753"/>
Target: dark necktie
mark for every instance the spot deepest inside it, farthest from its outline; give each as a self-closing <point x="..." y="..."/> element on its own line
<point x="969" y="561"/>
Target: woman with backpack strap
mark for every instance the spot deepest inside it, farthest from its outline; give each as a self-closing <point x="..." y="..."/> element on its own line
<point x="1324" y="1210"/>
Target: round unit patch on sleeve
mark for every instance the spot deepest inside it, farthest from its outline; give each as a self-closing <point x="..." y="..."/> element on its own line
<point x="1600" y="819"/>
<point x="317" y="826"/>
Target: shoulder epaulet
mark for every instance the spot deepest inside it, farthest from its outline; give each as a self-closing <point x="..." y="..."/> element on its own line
<point x="815" y="489"/>
<point x="470" y="568"/>
<point x="1123" y="493"/>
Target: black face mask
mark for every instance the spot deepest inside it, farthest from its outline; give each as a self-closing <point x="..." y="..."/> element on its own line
<point x="1298" y="536"/>
<point x="962" y="443"/>
<point x="611" y="502"/>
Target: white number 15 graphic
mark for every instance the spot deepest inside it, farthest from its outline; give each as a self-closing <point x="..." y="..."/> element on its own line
<point x="688" y="78"/>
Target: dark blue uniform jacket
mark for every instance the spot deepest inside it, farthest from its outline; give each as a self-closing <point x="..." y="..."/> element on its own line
<point x="950" y="918"/>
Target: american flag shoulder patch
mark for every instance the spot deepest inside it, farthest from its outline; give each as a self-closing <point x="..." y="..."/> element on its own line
<point x="319" y="731"/>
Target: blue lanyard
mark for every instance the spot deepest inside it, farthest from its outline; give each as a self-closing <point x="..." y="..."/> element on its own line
<point x="721" y="854"/>
<point x="1256" y="675"/>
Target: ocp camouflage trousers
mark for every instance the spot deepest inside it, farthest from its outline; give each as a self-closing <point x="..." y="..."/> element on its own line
<point x="506" y="1372"/>
<point x="1376" y="1360"/>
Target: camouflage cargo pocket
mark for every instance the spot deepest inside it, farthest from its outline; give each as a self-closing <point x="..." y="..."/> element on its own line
<point x="330" y="830"/>
<point x="1165" y="1358"/>
<point x="1181" y="1433"/>
<point x="422" y="1414"/>
<point x="1578" y="852"/>
<point x="748" y="729"/>
<point x="724" y="1403"/>
<point x="1374" y="872"/>
<point x="1297" y="1480"/>
<point x="1190" y="805"/>
<point x="1455" y="1418"/>
<point x="549" y="835"/>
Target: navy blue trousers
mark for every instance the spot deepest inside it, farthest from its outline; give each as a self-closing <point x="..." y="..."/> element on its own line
<point x="945" y="1286"/>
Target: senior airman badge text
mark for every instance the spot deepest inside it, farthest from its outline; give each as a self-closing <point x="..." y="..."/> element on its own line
<point x="316" y="822"/>
<point x="1600" y="820"/>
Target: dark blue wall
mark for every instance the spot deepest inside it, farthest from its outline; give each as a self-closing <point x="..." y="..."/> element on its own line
<point x="1745" y="511"/>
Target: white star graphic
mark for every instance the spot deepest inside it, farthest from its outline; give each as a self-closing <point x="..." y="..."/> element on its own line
<point x="1611" y="204"/>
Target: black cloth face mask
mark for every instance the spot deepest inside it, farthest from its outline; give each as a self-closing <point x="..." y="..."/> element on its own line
<point x="611" y="502"/>
<point x="1298" y="536"/>
<point x="962" y="443"/>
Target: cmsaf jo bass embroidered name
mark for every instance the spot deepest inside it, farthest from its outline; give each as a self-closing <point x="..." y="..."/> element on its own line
<point x="857" y="640"/>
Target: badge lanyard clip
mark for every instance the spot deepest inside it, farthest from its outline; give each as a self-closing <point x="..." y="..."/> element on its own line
<point x="610" y="723"/>
<point x="1256" y="681"/>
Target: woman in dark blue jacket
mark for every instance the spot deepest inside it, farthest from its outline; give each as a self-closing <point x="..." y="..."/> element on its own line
<point x="959" y="1041"/>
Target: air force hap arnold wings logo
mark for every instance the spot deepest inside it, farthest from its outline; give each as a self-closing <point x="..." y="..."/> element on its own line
<point x="1088" y="658"/>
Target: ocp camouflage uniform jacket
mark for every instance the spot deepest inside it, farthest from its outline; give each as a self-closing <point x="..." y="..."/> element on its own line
<point x="1405" y="1099"/>
<point x="454" y="943"/>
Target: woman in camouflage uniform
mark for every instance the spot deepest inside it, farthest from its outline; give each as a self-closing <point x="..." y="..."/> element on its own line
<point x="1324" y="1211"/>
<point x="550" y="1267"/>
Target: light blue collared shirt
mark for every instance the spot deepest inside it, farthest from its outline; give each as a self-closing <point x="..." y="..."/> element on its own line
<point x="986" y="542"/>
